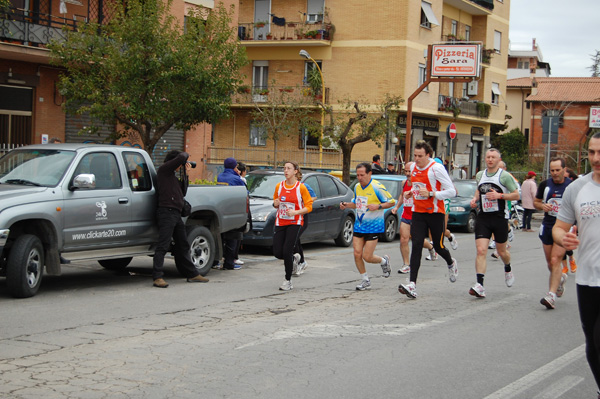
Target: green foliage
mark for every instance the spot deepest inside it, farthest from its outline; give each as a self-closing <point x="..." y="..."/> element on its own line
<point x="483" y="110"/>
<point x="4" y="4"/>
<point x="205" y="182"/>
<point x="513" y="147"/>
<point x="147" y="73"/>
<point x="314" y="80"/>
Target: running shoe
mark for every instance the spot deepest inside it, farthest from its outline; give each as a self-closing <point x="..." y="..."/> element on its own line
<point x="477" y="290"/>
<point x="410" y="290"/>
<point x="495" y="255"/>
<point x="432" y="255"/>
<point x="301" y="268"/>
<point x="509" y="278"/>
<point x="364" y="285"/>
<point x="548" y="301"/>
<point x="286" y="286"/>
<point x="565" y="270"/>
<point x="492" y="244"/>
<point x="387" y="269"/>
<point x="453" y="270"/>
<point x="404" y="269"/>
<point x="561" y="287"/>
<point x="238" y="262"/>
<point x="453" y="243"/>
<point x="511" y="235"/>
<point x="573" y="265"/>
<point x="295" y="265"/>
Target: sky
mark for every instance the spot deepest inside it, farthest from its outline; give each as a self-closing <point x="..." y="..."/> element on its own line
<point x="566" y="31"/>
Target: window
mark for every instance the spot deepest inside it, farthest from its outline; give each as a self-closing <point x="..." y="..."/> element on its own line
<point x="423" y="76"/>
<point x="328" y="187"/>
<point x="497" y="41"/>
<point x="495" y="93"/>
<point x="451" y="89"/>
<point x="465" y="88"/>
<point x="309" y="66"/>
<point x="314" y="184"/>
<point x="258" y="135"/>
<point x="260" y="74"/>
<point x="454" y="28"/>
<point x="103" y="166"/>
<point x="528" y="105"/>
<point x="311" y="140"/>
<point x="467" y="33"/>
<point x="427" y="16"/>
<point x="137" y="172"/>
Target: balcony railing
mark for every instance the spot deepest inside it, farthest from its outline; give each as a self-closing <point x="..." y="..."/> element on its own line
<point x="261" y="156"/>
<point x="460" y="106"/>
<point x="297" y="95"/>
<point x="31" y="28"/>
<point x="287" y="31"/>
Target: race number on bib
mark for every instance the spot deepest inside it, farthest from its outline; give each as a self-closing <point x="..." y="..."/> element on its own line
<point x="361" y="205"/>
<point x="555" y="203"/>
<point x="415" y="189"/>
<point x="283" y="208"/>
<point x="489" y="205"/>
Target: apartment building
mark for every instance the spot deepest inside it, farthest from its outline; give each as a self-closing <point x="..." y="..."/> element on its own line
<point x="365" y="50"/>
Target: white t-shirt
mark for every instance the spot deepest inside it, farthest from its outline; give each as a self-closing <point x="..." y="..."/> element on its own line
<point x="581" y="204"/>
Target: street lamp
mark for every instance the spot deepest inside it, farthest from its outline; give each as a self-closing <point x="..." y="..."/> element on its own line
<point x="304" y="54"/>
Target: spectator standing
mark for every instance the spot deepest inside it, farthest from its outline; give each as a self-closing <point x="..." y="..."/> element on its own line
<point x="241" y="167"/>
<point x="171" y="194"/>
<point x="390" y="169"/>
<point x="579" y="205"/>
<point x="528" y="190"/>
<point x="231" y="177"/>
<point x="376" y="167"/>
<point x="370" y="200"/>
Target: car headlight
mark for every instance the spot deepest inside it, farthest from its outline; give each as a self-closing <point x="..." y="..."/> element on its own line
<point x="457" y="209"/>
<point x="260" y="216"/>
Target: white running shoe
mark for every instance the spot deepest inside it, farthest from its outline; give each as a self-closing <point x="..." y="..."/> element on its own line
<point x="387" y="269"/>
<point x="453" y="270"/>
<point x="410" y="290"/>
<point x="404" y="269"/>
<point x="301" y="268"/>
<point x="286" y="286"/>
<point x="509" y="278"/>
<point x="364" y="285"/>
<point x="548" y="301"/>
<point x="561" y="287"/>
<point x="511" y="235"/>
<point x="432" y="255"/>
<point x="238" y="262"/>
<point x="295" y="266"/>
<point x="492" y="244"/>
<point x="453" y="243"/>
<point x="477" y="290"/>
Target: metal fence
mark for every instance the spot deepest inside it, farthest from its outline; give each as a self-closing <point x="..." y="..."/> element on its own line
<point x="4" y="148"/>
<point x="261" y="157"/>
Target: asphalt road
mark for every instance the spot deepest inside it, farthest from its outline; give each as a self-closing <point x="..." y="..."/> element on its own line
<point x="92" y="333"/>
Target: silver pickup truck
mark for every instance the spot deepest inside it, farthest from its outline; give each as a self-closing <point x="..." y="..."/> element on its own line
<point x="96" y="202"/>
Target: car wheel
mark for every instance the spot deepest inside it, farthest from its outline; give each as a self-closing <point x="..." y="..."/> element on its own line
<point x="115" y="264"/>
<point x="470" y="226"/>
<point x="391" y="228"/>
<point x="25" y="266"/>
<point x="202" y="249"/>
<point x="344" y="239"/>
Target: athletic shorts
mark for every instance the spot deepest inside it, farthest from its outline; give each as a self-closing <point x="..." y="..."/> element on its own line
<point x="546" y="235"/>
<point x="406" y="221"/>
<point x="368" y="236"/>
<point x="486" y="226"/>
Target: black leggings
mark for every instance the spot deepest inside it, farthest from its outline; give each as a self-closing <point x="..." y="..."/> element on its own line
<point x="421" y="225"/>
<point x="298" y="248"/>
<point x="284" y="241"/>
<point x="527" y="215"/>
<point x="589" y="313"/>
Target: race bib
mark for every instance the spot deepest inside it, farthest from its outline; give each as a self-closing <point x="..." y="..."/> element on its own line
<point x="415" y="189"/>
<point x="555" y="203"/>
<point x="361" y="205"/>
<point x="283" y="208"/>
<point x="489" y="205"/>
<point x="408" y="202"/>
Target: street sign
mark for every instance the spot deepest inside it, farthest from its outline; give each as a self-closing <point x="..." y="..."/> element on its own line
<point x="452" y="131"/>
<point x="550" y="123"/>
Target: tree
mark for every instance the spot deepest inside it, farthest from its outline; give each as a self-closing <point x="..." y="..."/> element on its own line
<point x="513" y="147"/>
<point x="595" y="68"/>
<point x="356" y="125"/>
<point x="148" y="72"/>
<point x="282" y="112"/>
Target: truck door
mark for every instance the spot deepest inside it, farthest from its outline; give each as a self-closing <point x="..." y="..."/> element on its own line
<point x="97" y="217"/>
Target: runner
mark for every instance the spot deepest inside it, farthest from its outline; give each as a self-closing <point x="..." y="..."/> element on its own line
<point x="548" y="199"/>
<point x="370" y="199"/>
<point x="494" y="188"/>
<point x="300" y="264"/>
<point x="293" y="201"/>
<point x="580" y="204"/>
<point x="431" y="185"/>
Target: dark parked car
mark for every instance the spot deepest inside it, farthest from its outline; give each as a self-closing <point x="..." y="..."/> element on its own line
<point x="326" y="221"/>
<point x="393" y="183"/>
<point x="461" y="214"/>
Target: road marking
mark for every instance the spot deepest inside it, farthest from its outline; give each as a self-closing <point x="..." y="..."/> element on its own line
<point x="558" y="388"/>
<point x="330" y="330"/>
<point x="536" y="376"/>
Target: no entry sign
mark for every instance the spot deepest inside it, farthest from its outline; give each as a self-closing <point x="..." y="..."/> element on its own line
<point x="452" y="131"/>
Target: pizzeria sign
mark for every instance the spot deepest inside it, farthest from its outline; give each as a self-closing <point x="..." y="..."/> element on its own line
<point x="455" y="60"/>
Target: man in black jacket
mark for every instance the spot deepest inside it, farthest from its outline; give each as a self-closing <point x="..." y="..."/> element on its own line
<point x="170" y="225"/>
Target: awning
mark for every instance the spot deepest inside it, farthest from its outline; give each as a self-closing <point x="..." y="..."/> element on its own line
<point x="430" y="133"/>
<point x="496" y="90"/>
<point x="426" y="7"/>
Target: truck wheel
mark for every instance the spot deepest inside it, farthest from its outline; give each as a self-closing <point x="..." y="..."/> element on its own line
<point x="202" y="249"/>
<point x="115" y="264"/>
<point x="25" y="266"/>
<point x="391" y="228"/>
<point x="344" y="239"/>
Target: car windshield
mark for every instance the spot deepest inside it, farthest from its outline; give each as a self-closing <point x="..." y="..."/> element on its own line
<point x="465" y="189"/>
<point x="262" y="186"/>
<point x="34" y="167"/>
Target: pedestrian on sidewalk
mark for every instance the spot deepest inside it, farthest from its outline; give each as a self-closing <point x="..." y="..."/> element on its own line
<point x="528" y="190"/>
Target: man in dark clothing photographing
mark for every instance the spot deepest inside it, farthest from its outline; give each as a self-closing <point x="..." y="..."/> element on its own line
<point x="170" y="225"/>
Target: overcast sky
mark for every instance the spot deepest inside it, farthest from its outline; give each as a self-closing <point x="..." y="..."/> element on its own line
<point x="566" y="31"/>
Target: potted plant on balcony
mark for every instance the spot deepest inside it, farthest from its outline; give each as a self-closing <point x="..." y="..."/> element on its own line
<point x="311" y="34"/>
<point x="269" y="36"/>
<point x="286" y="89"/>
<point x="263" y="92"/>
<point x="243" y="89"/>
<point x="259" y="24"/>
<point x="483" y="110"/>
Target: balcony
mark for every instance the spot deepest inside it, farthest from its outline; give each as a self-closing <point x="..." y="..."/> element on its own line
<point x="473" y="7"/>
<point x="459" y="106"/>
<point x="286" y="95"/>
<point x="31" y="28"/>
<point x="290" y="33"/>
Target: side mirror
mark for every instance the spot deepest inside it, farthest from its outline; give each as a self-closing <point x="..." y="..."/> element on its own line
<point x="84" y="180"/>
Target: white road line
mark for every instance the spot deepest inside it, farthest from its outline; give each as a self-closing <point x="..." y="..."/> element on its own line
<point x="536" y="376"/>
<point x="558" y="388"/>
